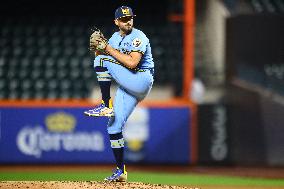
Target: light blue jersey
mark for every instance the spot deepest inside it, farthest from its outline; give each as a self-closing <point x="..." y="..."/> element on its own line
<point x="134" y="85"/>
<point x="136" y="41"/>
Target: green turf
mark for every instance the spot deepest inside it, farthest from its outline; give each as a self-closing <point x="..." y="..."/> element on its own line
<point x="146" y="177"/>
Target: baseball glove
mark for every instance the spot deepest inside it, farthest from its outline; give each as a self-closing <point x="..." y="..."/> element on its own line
<point x="97" y="41"/>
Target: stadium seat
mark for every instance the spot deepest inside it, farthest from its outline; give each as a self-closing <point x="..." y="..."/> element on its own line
<point x="49" y="57"/>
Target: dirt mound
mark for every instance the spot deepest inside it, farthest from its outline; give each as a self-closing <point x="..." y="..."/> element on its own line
<point x="81" y="184"/>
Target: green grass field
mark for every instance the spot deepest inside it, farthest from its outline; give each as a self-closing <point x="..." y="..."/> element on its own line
<point x="146" y="177"/>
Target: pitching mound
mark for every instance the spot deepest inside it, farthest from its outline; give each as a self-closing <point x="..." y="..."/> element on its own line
<point x="81" y="184"/>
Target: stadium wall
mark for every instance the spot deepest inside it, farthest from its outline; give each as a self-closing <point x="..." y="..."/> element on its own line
<point x="255" y="77"/>
<point x="50" y="132"/>
<point x="246" y="126"/>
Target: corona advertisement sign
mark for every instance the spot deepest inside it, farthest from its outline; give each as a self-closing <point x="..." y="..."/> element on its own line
<point x="66" y="135"/>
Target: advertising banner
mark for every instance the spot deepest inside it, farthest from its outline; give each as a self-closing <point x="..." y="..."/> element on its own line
<point x="65" y="135"/>
<point x="213" y="134"/>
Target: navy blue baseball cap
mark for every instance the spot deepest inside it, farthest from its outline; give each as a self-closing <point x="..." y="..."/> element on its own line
<point x="123" y="11"/>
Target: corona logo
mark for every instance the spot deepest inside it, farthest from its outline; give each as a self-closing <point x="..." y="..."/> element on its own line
<point x="60" y="122"/>
<point x="125" y="11"/>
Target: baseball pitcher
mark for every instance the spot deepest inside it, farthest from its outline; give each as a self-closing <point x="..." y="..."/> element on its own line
<point x="126" y="58"/>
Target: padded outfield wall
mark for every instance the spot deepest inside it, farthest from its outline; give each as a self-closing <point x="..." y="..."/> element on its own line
<point x="61" y="133"/>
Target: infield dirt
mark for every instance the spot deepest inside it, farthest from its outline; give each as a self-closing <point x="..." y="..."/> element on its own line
<point x="107" y="185"/>
<point x="258" y="172"/>
<point x="81" y="184"/>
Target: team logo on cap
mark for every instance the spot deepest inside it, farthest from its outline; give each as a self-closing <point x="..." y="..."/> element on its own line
<point x="137" y="42"/>
<point x="125" y="11"/>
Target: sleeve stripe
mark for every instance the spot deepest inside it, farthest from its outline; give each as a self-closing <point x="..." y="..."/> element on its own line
<point x="137" y="51"/>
